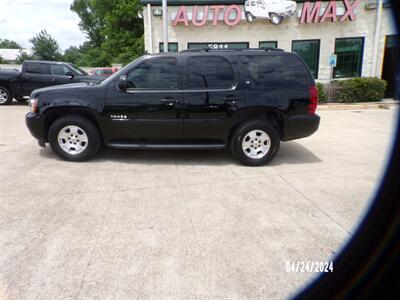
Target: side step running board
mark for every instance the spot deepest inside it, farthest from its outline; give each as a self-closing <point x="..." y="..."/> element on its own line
<point x="165" y="146"/>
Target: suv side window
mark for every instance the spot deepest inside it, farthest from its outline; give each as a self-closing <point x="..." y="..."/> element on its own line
<point x="59" y="70"/>
<point x="209" y="72"/>
<point x="159" y="73"/>
<point x="37" y="68"/>
<point x="268" y="70"/>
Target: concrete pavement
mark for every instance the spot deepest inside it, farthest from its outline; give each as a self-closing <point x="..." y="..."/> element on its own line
<point x="182" y="224"/>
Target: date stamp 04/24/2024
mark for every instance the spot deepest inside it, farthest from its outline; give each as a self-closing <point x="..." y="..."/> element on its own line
<point x="309" y="266"/>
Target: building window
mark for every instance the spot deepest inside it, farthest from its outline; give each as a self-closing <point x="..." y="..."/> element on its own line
<point x="309" y="51"/>
<point x="392" y="41"/>
<point x="349" y="53"/>
<point x="269" y="44"/>
<point x="218" y="46"/>
<point x="172" y="47"/>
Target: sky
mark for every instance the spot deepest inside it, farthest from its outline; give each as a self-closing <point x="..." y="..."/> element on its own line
<point x="20" y="20"/>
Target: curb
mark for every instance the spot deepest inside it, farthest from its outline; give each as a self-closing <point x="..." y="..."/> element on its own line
<point x="362" y="105"/>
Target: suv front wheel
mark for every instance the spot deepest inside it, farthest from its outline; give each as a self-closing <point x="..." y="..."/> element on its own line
<point x="74" y="138"/>
<point x="255" y="143"/>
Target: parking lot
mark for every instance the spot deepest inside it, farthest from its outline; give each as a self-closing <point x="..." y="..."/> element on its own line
<point x="182" y="224"/>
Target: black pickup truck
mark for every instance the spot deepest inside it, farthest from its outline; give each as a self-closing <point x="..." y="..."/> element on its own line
<point x="39" y="74"/>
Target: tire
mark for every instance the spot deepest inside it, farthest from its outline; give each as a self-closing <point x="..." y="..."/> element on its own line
<point x="276" y="19"/>
<point x="255" y="143"/>
<point x="249" y="17"/>
<point x="74" y="138"/>
<point x="5" y="96"/>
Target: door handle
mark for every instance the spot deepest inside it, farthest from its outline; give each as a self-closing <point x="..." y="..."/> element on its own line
<point x="231" y="99"/>
<point x="169" y="101"/>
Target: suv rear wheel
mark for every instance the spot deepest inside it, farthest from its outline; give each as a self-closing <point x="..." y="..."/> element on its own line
<point x="74" y="138"/>
<point x="255" y="143"/>
<point x="249" y="17"/>
<point x="5" y="96"/>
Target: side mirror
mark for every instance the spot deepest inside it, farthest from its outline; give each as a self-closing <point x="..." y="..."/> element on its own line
<point x="122" y="83"/>
<point x="70" y="75"/>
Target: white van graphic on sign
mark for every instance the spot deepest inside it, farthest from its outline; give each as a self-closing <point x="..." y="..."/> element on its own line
<point x="273" y="10"/>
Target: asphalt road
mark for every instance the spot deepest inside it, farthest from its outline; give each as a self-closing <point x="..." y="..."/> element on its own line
<point x="182" y="224"/>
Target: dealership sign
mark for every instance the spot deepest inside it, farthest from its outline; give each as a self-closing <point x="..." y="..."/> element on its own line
<point x="314" y="14"/>
<point x="273" y="10"/>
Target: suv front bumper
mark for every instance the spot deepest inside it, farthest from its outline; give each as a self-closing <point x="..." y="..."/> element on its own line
<point x="35" y="124"/>
<point x="300" y="126"/>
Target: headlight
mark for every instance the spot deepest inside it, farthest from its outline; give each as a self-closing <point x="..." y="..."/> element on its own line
<point x="33" y="104"/>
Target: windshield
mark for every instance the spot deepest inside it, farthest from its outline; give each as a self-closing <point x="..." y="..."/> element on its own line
<point x="77" y="70"/>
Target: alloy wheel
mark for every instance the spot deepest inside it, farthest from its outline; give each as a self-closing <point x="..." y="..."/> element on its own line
<point x="3" y="96"/>
<point x="256" y="144"/>
<point x="72" y="139"/>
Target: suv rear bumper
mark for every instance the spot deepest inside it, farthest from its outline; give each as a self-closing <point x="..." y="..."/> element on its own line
<point x="35" y="125"/>
<point x="300" y="126"/>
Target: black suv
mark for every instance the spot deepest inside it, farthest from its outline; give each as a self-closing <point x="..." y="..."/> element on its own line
<point x="247" y="100"/>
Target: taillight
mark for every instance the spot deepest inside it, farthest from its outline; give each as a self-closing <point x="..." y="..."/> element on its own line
<point x="312" y="106"/>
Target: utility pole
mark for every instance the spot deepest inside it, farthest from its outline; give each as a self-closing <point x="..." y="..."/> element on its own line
<point x="165" y="24"/>
<point x="150" y="25"/>
<point x="374" y="67"/>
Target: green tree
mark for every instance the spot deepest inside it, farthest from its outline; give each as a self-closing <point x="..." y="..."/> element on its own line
<point x="2" y="61"/>
<point x="72" y="54"/>
<point x="23" y="56"/>
<point x="9" y="44"/>
<point x="114" y="30"/>
<point x="124" y="30"/>
<point x="91" y="22"/>
<point x="45" y="47"/>
<point x="94" y="57"/>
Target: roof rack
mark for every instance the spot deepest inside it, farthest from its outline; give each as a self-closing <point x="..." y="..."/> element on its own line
<point x="265" y="49"/>
<point x="244" y="49"/>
